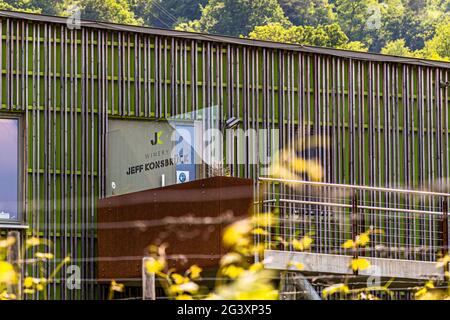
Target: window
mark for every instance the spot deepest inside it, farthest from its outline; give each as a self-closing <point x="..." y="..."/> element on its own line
<point x="9" y="169"/>
<point x="185" y="153"/>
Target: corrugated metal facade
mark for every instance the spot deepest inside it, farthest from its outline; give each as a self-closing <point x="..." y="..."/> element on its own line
<point x="387" y="120"/>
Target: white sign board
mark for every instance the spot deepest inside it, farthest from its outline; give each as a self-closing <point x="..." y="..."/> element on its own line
<point x="139" y="156"/>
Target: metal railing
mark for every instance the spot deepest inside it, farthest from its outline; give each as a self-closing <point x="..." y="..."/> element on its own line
<point x="400" y="223"/>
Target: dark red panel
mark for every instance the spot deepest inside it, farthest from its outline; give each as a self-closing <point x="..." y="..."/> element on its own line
<point x="189" y="217"/>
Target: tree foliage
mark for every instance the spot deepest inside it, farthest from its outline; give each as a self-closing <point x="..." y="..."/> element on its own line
<point x="21" y="5"/>
<point x="414" y="28"/>
<point x="237" y="17"/>
<point x="397" y="48"/>
<point x="439" y="46"/>
<point x="167" y="13"/>
<point x="357" y="17"/>
<point x="308" y="12"/>
<point x="354" y="46"/>
<point x="117" y="11"/>
<point x="324" y="36"/>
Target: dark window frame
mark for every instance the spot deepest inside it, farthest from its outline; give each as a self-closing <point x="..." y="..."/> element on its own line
<point x="21" y="192"/>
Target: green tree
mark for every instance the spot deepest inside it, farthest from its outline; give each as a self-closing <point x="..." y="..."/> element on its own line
<point x="116" y="11"/>
<point x="359" y="18"/>
<point x="397" y="48"/>
<point x="167" y="13"/>
<point x="308" y="12"/>
<point x="236" y="17"/>
<point x="325" y="36"/>
<point x="190" y="26"/>
<point x="388" y="27"/>
<point x="354" y="46"/>
<point x="413" y="28"/>
<point x="438" y="48"/>
<point x="50" y="7"/>
<point x="21" y="5"/>
<point x="419" y="22"/>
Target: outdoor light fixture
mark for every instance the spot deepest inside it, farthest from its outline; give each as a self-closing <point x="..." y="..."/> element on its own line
<point x="231" y="123"/>
<point x="444" y="84"/>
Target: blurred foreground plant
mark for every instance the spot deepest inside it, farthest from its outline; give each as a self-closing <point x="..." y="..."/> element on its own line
<point x="10" y="275"/>
<point x="238" y="277"/>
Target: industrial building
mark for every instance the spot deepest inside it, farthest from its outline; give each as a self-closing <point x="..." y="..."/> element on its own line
<point x="81" y="105"/>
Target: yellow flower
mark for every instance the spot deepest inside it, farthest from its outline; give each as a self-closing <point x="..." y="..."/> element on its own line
<point x="256" y="267"/>
<point x="232" y="271"/>
<point x="311" y="167"/>
<point x="278" y="171"/>
<point x="421" y="292"/>
<point x="429" y="284"/>
<point x="363" y="239"/>
<point x="432" y="295"/>
<point x="44" y="255"/>
<point x="258" y="248"/>
<point x="443" y="261"/>
<point x="7" y="273"/>
<point x="280" y="240"/>
<point x="349" y="244"/>
<point x="360" y="264"/>
<point x="190" y="287"/>
<point x="28" y="282"/>
<point x="7" y="296"/>
<point x="155" y="265"/>
<point x="237" y="233"/>
<point x="178" y="278"/>
<point x="262" y="294"/>
<point x="184" y="297"/>
<point x="33" y="241"/>
<point x="302" y="244"/>
<point x="174" y="289"/>
<point x="9" y="241"/>
<point x="28" y="291"/>
<point x="339" y="287"/>
<point x="298" y="265"/>
<point x="194" y="271"/>
<point x="425" y="293"/>
<point x="153" y="249"/>
<point x="230" y="258"/>
<point x="117" y="286"/>
<point x="39" y="287"/>
<point x="259" y="231"/>
<point x="212" y="296"/>
<point x="263" y="219"/>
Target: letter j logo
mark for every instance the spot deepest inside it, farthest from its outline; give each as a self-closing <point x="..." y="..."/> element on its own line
<point x="157" y="138"/>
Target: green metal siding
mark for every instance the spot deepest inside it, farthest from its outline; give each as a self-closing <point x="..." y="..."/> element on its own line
<point x="387" y="121"/>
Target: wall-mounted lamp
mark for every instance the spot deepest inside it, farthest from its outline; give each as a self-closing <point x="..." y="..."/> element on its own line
<point x="444" y="84"/>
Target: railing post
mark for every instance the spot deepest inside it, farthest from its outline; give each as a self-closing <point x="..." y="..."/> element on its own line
<point x="354" y="218"/>
<point x="445" y="234"/>
<point x="13" y="256"/>
<point x="148" y="282"/>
